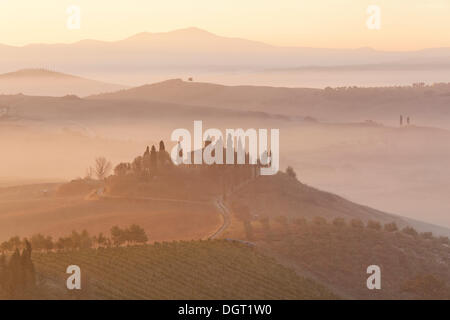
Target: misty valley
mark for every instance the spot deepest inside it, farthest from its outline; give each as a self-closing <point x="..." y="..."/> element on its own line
<point x="185" y="165"/>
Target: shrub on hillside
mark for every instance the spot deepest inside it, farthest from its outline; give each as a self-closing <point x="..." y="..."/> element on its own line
<point x="357" y="223"/>
<point x="136" y="234"/>
<point x="101" y="240"/>
<point x="11" y="244"/>
<point x="427" y="235"/>
<point x="319" y="221"/>
<point x="410" y="231"/>
<point x="39" y="242"/>
<point x="74" y="241"/>
<point x="291" y="173"/>
<point x="77" y="187"/>
<point x="371" y="224"/>
<point x="390" y="227"/>
<point x="122" y="169"/>
<point x="339" y="222"/>
<point x="133" y="234"/>
<point x="444" y="240"/>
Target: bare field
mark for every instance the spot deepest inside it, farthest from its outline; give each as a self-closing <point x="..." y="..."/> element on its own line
<point x="25" y="211"/>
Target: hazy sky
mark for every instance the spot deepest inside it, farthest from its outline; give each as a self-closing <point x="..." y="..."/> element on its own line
<point x="405" y="24"/>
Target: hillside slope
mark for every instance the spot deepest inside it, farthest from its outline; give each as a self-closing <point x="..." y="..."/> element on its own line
<point x="333" y="241"/>
<point x="338" y="254"/>
<point x="91" y="111"/>
<point x="55" y="211"/>
<point x="383" y="104"/>
<point x="272" y="196"/>
<point x="177" y="270"/>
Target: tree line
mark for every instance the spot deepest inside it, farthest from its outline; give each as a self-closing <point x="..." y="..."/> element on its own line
<point x="243" y="214"/>
<point x="134" y="234"/>
<point x="17" y="272"/>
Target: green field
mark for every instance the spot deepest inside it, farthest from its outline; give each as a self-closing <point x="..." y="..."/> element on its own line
<point x="214" y="269"/>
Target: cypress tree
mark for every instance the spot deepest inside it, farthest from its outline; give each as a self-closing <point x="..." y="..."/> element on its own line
<point x="28" y="271"/>
<point x="153" y="159"/>
<point x="162" y="146"/>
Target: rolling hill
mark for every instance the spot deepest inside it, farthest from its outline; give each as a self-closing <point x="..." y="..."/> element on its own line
<point x="337" y="252"/>
<point x="42" y="82"/>
<point x="305" y="257"/>
<point x="271" y="196"/>
<point x="44" y="208"/>
<point x="427" y="105"/>
<point x="75" y="109"/>
<point x="395" y="169"/>
<point x="333" y="241"/>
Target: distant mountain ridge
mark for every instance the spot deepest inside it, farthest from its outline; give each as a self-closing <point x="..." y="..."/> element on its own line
<point x="195" y="50"/>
